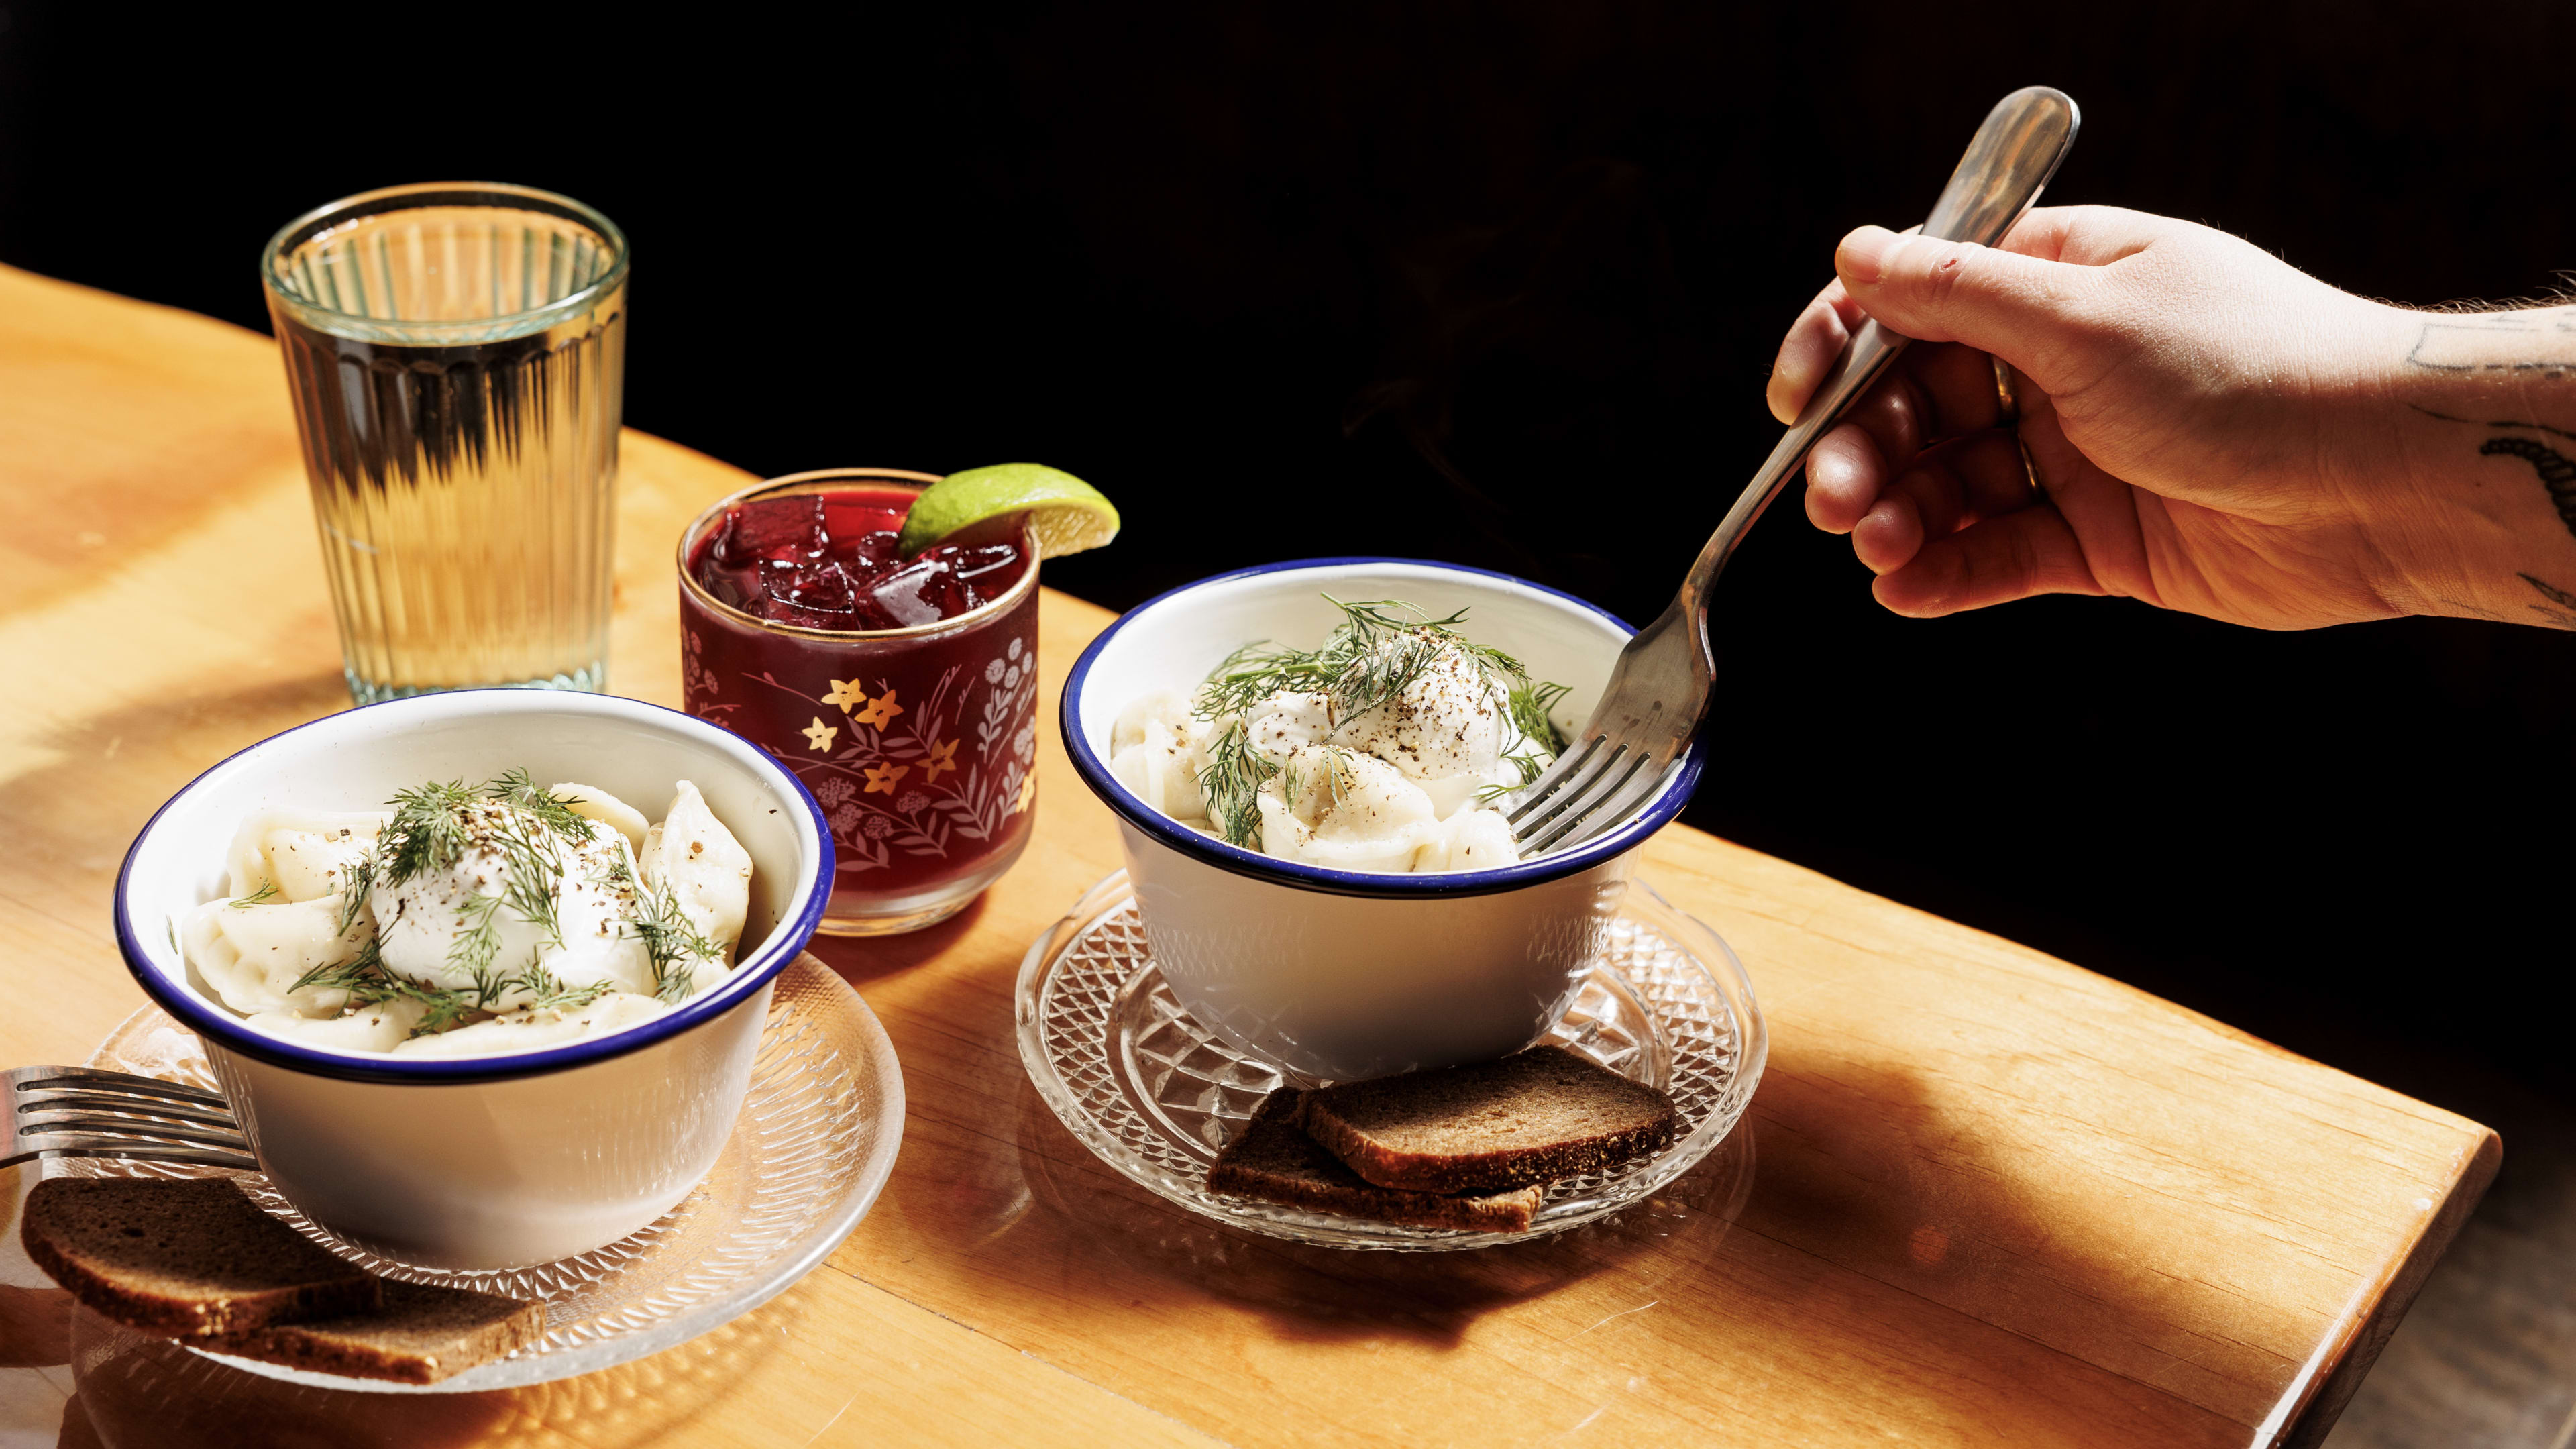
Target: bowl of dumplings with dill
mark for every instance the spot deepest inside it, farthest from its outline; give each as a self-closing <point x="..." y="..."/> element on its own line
<point x="482" y="973"/>
<point x="469" y="920"/>
<point x="1310" y="761"/>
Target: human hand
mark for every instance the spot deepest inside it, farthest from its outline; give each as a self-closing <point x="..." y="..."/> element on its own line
<point x="2210" y="429"/>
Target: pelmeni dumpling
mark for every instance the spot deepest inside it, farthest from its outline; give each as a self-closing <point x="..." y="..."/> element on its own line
<point x="705" y="867"/>
<point x="1284" y="723"/>
<point x="1163" y="769"/>
<point x="253" y="954"/>
<point x="1157" y="749"/>
<point x="1349" y="811"/>
<point x="591" y="802"/>
<point x="303" y="855"/>
<point x="1467" y="840"/>
<point x="377" y="1028"/>
<point x="1169" y="708"/>
<point x="528" y="1031"/>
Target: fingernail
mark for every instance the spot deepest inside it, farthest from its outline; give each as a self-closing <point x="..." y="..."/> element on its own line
<point x="1866" y="255"/>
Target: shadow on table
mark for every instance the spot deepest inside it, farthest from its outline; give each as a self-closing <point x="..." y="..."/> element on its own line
<point x="35" y="1323"/>
<point x="139" y="1392"/>
<point x="862" y="959"/>
<point x="1321" y="1293"/>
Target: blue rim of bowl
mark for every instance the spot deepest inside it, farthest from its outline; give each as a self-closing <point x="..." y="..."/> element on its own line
<point x="221" y="1025"/>
<point x="1441" y="885"/>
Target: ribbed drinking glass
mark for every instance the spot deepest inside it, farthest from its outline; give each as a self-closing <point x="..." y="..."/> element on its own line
<point x="456" y="353"/>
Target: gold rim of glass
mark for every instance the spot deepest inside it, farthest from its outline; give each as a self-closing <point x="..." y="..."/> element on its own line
<point x="816" y="481"/>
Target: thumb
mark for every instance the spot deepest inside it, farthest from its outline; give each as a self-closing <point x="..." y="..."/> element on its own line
<point x="2034" y="314"/>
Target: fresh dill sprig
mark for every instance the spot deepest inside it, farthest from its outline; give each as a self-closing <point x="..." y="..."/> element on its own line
<point x="491" y="986"/>
<point x="517" y="787"/>
<point x="477" y="943"/>
<point x="547" y="992"/>
<point x="1340" y="775"/>
<point x="427" y="832"/>
<point x="357" y="974"/>
<point x="1529" y="705"/>
<point x="530" y="873"/>
<point x="671" y="943"/>
<point x="1255" y="672"/>
<point x="360" y="884"/>
<point x="267" y="888"/>
<point x="435" y="824"/>
<point x="368" y="983"/>
<point x="1527" y="764"/>
<point x="1376" y="653"/>
<point x="1232" y="784"/>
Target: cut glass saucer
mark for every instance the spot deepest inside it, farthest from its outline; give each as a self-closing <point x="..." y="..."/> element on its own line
<point x="814" y="1145"/>
<point x="1155" y="1096"/>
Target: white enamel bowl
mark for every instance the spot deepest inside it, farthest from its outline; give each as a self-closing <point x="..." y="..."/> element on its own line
<point x="1341" y="975"/>
<point x="486" y="1162"/>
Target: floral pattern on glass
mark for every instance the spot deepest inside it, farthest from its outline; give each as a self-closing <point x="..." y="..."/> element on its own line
<point x="901" y="774"/>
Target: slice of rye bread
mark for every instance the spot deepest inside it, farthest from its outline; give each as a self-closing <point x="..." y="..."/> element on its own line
<point x="1532" y="1117"/>
<point x="191" y="1257"/>
<point x="1273" y="1161"/>
<point x="419" y="1335"/>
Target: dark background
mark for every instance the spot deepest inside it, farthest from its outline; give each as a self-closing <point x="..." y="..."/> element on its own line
<point x="1501" y="285"/>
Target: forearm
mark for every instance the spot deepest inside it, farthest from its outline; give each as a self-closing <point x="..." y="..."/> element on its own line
<point x="2479" y="463"/>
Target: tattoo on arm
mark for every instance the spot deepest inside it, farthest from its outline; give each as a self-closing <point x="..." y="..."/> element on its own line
<point x="2499" y="424"/>
<point x="2535" y="340"/>
<point x="2561" y="608"/>
<point x="2557" y="474"/>
<point x="2557" y="471"/>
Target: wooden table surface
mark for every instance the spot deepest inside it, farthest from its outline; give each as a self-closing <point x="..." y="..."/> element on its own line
<point x="1982" y="1197"/>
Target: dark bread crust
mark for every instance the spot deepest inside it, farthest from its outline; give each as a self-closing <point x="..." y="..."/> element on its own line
<point x="1533" y="1117"/>
<point x="420" y="1335"/>
<point x="191" y="1258"/>
<point x="1273" y="1161"/>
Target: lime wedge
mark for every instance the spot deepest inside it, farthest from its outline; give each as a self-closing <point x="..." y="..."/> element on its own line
<point x="1069" y="514"/>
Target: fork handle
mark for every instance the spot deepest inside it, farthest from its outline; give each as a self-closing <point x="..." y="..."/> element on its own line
<point x="2010" y="159"/>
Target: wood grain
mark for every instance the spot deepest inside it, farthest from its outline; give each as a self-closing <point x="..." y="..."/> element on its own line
<point x="1982" y="1197"/>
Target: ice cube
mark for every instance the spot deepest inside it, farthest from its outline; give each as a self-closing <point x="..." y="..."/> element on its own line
<point x="869" y="553"/>
<point x="981" y="566"/>
<point x="814" y="587"/>
<point x="923" y="591"/>
<point x="773" y="530"/>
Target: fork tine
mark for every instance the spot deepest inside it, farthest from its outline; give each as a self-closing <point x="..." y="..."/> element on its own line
<point x="1584" y="804"/>
<point x="1567" y="790"/>
<point x="129" y="1130"/>
<point x="84" y="1112"/>
<point x="1611" y="810"/>
<point x="129" y="1150"/>
<point x="38" y="1079"/>
<point x="1578" y="797"/>
<point x="1536" y="792"/>
<point x="111" y="1102"/>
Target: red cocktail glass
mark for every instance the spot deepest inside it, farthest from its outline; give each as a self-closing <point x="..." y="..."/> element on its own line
<point x="919" y="741"/>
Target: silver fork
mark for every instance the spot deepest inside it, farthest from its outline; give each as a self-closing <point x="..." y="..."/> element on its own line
<point x="82" y="1112"/>
<point x="1660" y="687"/>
